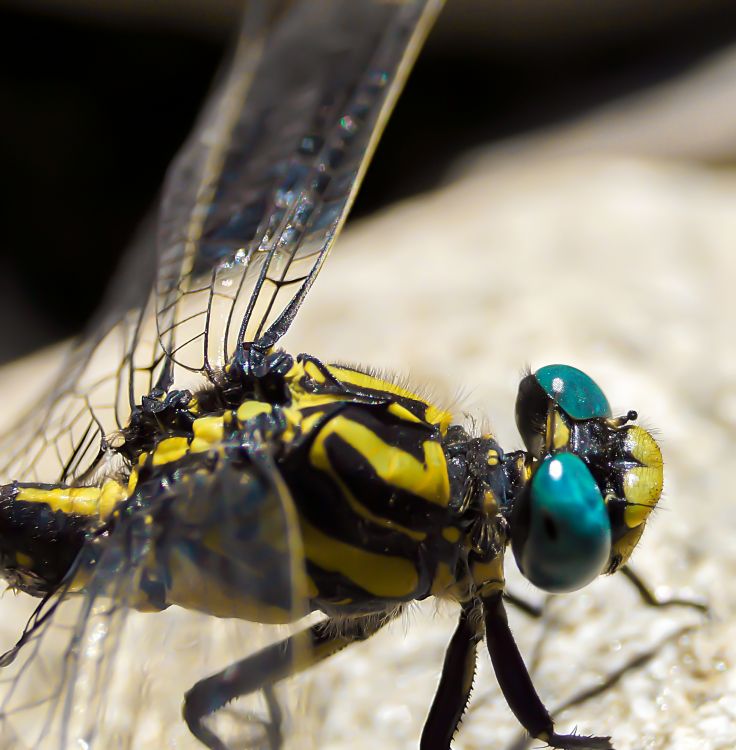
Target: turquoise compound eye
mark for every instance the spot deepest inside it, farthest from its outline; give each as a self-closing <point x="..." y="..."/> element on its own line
<point x="561" y="535"/>
<point x="577" y="393"/>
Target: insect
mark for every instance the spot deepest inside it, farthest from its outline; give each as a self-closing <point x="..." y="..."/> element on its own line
<point x="184" y="459"/>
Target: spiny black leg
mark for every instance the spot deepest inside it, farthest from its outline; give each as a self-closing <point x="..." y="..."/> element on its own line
<point x="456" y="682"/>
<point x="517" y="686"/>
<point x="259" y="671"/>
<point x="650" y="598"/>
<point x="531" y="610"/>
<point x="265" y="668"/>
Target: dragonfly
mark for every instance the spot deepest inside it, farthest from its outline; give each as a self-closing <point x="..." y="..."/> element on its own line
<point x="183" y="459"/>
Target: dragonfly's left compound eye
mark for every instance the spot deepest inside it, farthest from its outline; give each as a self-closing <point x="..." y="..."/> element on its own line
<point x="560" y="531"/>
<point x="570" y="390"/>
<point x="577" y="394"/>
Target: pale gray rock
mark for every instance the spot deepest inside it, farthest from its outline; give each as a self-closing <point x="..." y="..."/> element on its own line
<point x="623" y="267"/>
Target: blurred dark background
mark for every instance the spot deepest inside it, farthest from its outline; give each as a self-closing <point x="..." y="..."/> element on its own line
<point x="96" y="97"/>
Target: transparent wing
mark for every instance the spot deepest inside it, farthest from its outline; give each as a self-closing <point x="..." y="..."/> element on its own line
<point x="250" y="209"/>
<point x="52" y="684"/>
<point x="258" y="194"/>
<point x="89" y="672"/>
<point x="61" y="436"/>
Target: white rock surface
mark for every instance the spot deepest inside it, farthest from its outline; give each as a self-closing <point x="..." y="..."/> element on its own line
<point x="625" y="268"/>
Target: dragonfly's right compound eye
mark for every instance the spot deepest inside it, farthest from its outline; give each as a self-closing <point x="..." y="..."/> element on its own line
<point x="560" y="531"/>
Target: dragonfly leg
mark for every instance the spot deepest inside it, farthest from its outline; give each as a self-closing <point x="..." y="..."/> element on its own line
<point x="262" y="670"/>
<point x="652" y="600"/>
<point x="517" y="686"/>
<point x="456" y="681"/>
<point x="534" y="611"/>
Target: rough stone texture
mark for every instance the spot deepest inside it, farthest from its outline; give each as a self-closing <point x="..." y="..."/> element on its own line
<point x="623" y="267"/>
<point x="531" y="254"/>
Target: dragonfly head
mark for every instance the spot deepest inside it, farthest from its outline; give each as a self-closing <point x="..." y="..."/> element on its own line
<point x="594" y="480"/>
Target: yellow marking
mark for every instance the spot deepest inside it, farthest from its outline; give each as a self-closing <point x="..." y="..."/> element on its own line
<point x="440" y="417"/>
<point x="192" y="587"/>
<point x="304" y="400"/>
<point x="199" y="446"/>
<point x="490" y="504"/>
<point x="310" y="422"/>
<point x="492" y="458"/>
<point x="318" y="458"/>
<point x="404" y="414"/>
<point x="295" y="372"/>
<point x="249" y="409"/>
<point x="560" y="433"/>
<point x="208" y="428"/>
<point x="451" y="534"/>
<point x="548" y="422"/>
<point x="217" y="586"/>
<point x="642" y="488"/>
<point x="83" y="501"/>
<point x="293" y="424"/>
<point x="81" y="578"/>
<point x="524" y="469"/>
<point x="427" y="479"/>
<point x="112" y="493"/>
<point x="433" y="415"/>
<point x="625" y="545"/>
<point x="443" y="580"/>
<point x="193" y="406"/>
<point x="23" y="560"/>
<point x="642" y="484"/>
<point x="371" y="383"/>
<point x="142" y="459"/>
<point x="312" y="371"/>
<point x="171" y="449"/>
<point x="381" y="575"/>
<point x="312" y="590"/>
<point x="132" y="480"/>
<point x="643" y="447"/>
<point x="634" y="515"/>
<point x="488" y="576"/>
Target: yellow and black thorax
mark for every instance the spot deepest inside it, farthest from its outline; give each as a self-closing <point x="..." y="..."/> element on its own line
<point x="393" y="502"/>
<point x="389" y="506"/>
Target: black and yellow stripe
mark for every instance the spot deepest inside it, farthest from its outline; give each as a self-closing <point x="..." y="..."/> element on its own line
<point x="43" y="528"/>
<point x="372" y="490"/>
<point x="364" y="461"/>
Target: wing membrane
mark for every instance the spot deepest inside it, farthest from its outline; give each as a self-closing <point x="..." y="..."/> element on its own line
<point x="61" y="437"/>
<point x="87" y="672"/>
<point x="250" y="209"/>
<point x="255" y="199"/>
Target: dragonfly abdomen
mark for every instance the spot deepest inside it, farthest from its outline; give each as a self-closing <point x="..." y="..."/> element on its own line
<point x="43" y="528"/>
